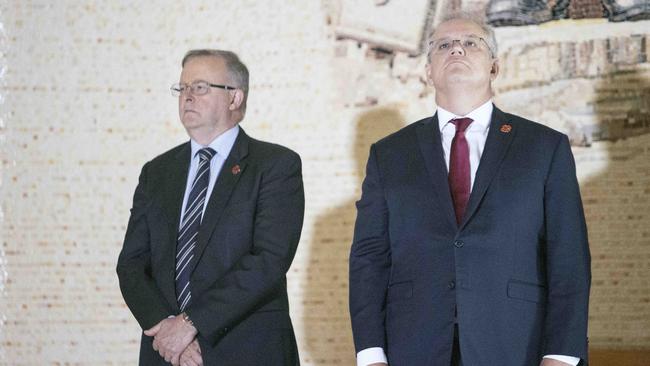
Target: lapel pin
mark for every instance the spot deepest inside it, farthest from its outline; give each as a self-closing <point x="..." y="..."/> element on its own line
<point x="506" y="128"/>
<point x="235" y="169"/>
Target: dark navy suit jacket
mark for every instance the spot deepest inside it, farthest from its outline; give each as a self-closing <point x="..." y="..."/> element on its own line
<point x="515" y="274"/>
<point x="247" y="240"/>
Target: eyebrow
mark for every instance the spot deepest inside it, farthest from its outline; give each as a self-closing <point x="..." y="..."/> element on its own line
<point x="464" y="35"/>
<point x="193" y="81"/>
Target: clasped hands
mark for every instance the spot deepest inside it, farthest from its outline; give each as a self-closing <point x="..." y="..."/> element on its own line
<point x="175" y="340"/>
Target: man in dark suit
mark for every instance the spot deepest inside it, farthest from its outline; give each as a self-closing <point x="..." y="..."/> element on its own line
<point x="470" y="245"/>
<point x="214" y="227"/>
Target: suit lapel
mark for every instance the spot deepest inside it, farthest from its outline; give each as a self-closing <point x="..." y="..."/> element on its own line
<point x="172" y="200"/>
<point x="229" y="175"/>
<point x="430" y="143"/>
<point x="496" y="146"/>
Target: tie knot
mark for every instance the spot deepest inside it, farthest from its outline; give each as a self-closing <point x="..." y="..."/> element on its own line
<point x="206" y="153"/>
<point x="461" y="123"/>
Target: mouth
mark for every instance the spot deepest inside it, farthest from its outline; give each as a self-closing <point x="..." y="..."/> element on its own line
<point x="456" y="61"/>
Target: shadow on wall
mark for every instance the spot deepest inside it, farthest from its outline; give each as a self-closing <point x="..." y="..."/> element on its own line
<point x="327" y="320"/>
<point x="617" y="208"/>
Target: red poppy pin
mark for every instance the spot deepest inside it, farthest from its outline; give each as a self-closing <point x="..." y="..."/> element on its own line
<point x="235" y="170"/>
<point x="506" y="128"/>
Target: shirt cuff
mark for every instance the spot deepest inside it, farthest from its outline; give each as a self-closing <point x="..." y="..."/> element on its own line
<point x="371" y="355"/>
<point x="573" y="361"/>
<point x="376" y="354"/>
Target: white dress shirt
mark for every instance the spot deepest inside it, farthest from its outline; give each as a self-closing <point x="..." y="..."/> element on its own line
<point x="476" y="135"/>
<point x="222" y="145"/>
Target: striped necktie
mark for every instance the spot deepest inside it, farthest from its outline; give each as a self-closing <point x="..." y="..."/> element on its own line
<point x="189" y="230"/>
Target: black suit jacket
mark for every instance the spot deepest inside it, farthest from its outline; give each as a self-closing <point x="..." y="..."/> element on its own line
<point x="515" y="273"/>
<point x="247" y="240"/>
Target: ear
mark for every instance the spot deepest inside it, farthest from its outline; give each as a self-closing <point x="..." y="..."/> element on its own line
<point x="494" y="71"/>
<point x="427" y="74"/>
<point x="237" y="99"/>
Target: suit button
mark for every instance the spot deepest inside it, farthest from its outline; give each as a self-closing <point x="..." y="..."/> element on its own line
<point x="452" y="285"/>
<point x="458" y="244"/>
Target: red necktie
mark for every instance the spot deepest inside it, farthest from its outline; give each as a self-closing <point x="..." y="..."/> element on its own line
<point x="459" y="173"/>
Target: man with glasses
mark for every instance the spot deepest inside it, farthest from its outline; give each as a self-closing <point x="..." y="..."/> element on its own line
<point x="470" y="245"/>
<point x="214" y="227"/>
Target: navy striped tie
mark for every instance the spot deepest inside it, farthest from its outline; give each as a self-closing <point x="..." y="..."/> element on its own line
<point x="189" y="230"/>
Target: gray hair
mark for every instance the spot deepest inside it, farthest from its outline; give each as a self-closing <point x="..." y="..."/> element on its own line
<point x="475" y="18"/>
<point x="237" y="71"/>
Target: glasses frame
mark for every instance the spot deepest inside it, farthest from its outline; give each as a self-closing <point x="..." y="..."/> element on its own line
<point x="177" y="91"/>
<point x="460" y="43"/>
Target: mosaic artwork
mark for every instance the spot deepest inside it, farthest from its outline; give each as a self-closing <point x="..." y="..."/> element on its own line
<point x="401" y="46"/>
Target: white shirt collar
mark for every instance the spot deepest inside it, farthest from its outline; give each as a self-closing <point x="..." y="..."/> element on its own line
<point x="222" y="144"/>
<point x="481" y="117"/>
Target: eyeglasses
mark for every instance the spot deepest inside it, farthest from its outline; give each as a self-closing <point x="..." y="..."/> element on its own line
<point x="197" y="88"/>
<point x="468" y="43"/>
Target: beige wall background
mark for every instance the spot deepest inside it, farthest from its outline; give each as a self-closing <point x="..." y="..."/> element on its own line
<point x="85" y="102"/>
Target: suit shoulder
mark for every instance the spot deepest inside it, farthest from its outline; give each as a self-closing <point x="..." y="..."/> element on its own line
<point x="168" y="156"/>
<point x="268" y="151"/>
<point x="402" y="135"/>
<point x="533" y="128"/>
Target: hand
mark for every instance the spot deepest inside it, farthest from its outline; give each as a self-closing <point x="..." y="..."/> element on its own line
<point x="192" y="355"/>
<point x="552" y="362"/>
<point x="171" y="337"/>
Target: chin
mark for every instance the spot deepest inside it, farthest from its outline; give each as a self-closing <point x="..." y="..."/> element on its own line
<point x="457" y="79"/>
<point x="190" y="124"/>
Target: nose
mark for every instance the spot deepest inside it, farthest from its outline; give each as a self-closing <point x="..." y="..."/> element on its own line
<point x="456" y="48"/>
<point x="187" y="95"/>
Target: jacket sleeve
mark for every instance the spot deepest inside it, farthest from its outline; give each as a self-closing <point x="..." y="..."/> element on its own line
<point x="567" y="259"/>
<point x="261" y="272"/>
<point x="370" y="262"/>
<point x="140" y="292"/>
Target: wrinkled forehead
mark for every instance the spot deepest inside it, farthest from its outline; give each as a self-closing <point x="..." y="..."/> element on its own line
<point x="204" y="68"/>
<point x="457" y="28"/>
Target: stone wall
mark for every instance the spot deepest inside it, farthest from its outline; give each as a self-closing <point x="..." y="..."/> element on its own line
<point x="85" y="102"/>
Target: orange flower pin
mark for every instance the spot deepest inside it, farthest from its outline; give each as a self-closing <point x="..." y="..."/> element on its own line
<point x="506" y="128"/>
<point x="235" y="170"/>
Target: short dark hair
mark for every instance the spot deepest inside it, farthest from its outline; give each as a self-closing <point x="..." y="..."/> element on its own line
<point x="236" y="68"/>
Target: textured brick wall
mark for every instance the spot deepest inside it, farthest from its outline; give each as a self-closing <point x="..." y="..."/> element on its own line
<point x="85" y="102"/>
